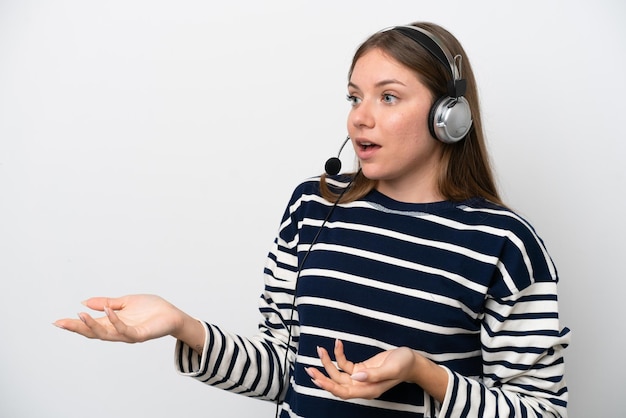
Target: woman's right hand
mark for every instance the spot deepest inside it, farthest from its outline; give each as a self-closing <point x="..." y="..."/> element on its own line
<point x="133" y="319"/>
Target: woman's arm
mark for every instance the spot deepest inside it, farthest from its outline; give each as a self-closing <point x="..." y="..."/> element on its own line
<point x="373" y="377"/>
<point x="523" y="364"/>
<point x="135" y="318"/>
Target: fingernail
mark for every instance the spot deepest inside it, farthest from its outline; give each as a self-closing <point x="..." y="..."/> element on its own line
<point x="84" y="302"/>
<point x="58" y="325"/>
<point x="308" y="371"/>
<point x="107" y="311"/>
<point x="359" y="376"/>
<point x="319" y="351"/>
<point x="80" y="316"/>
<point x="315" y="383"/>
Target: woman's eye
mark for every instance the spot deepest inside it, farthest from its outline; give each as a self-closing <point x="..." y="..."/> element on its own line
<point x="389" y="98"/>
<point x="353" y="99"/>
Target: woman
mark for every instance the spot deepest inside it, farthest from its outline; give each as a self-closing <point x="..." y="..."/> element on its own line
<point x="404" y="289"/>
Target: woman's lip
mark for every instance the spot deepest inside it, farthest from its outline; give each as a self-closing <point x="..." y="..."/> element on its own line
<point x="362" y="142"/>
<point x="366" y="149"/>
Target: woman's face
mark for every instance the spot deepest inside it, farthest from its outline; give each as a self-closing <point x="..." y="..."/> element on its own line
<point x="388" y="124"/>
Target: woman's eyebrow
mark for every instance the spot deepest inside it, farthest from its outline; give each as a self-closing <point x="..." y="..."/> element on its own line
<point x="380" y="83"/>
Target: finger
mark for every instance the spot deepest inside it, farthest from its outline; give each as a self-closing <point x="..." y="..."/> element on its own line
<point x="393" y="369"/>
<point x="395" y="366"/>
<point x="375" y="375"/>
<point x="340" y="357"/>
<point x="361" y="376"/>
<point x="74" y="325"/>
<point x="97" y="329"/>
<point x="343" y="386"/>
<point x="98" y="303"/>
<point x="320" y="380"/>
<point x="119" y="325"/>
<point x="316" y="376"/>
<point x="348" y="390"/>
<point x="330" y="368"/>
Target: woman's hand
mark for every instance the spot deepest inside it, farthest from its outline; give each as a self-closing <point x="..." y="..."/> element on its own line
<point x="378" y="374"/>
<point x="135" y="318"/>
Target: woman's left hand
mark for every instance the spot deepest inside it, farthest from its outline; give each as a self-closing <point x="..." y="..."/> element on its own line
<point x="368" y="379"/>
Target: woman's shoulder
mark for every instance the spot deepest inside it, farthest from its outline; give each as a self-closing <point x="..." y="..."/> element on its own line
<point x="521" y="244"/>
<point x="479" y="210"/>
<point x="307" y="186"/>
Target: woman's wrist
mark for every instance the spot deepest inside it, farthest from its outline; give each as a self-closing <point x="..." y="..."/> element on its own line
<point x="191" y="332"/>
<point x="429" y="376"/>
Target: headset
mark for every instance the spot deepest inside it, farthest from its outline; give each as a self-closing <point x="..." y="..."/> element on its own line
<point x="450" y="117"/>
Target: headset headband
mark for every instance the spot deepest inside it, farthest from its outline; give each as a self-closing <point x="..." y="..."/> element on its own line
<point x="430" y="42"/>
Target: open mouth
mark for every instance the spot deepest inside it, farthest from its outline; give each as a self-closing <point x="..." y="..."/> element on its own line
<point x="367" y="145"/>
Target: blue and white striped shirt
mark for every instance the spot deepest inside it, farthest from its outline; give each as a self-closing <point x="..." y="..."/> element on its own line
<point x="468" y="285"/>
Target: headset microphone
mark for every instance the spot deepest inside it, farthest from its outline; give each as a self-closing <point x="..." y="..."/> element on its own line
<point x="333" y="164"/>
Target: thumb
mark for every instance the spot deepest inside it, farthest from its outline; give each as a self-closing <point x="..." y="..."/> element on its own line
<point x="99" y="303"/>
<point x="373" y="375"/>
<point x="360" y="376"/>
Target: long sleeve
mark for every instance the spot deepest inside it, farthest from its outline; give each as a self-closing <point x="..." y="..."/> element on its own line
<point x="522" y="361"/>
<point x="522" y="341"/>
<point x="257" y="366"/>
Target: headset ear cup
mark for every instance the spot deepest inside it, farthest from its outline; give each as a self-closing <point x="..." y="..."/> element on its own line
<point x="450" y="119"/>
<point x="432" y="115"/>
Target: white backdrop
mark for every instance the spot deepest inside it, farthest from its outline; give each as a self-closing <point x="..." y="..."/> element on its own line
<point x="144" y="144"/>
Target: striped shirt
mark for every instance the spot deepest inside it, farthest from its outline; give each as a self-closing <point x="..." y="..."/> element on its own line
<point x="469" y="285"/>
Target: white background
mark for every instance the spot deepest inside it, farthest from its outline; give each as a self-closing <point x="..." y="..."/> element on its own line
<point x="150" y="146"/>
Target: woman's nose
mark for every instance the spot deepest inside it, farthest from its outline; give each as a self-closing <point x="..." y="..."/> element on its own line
<point x="361" y="115"/>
